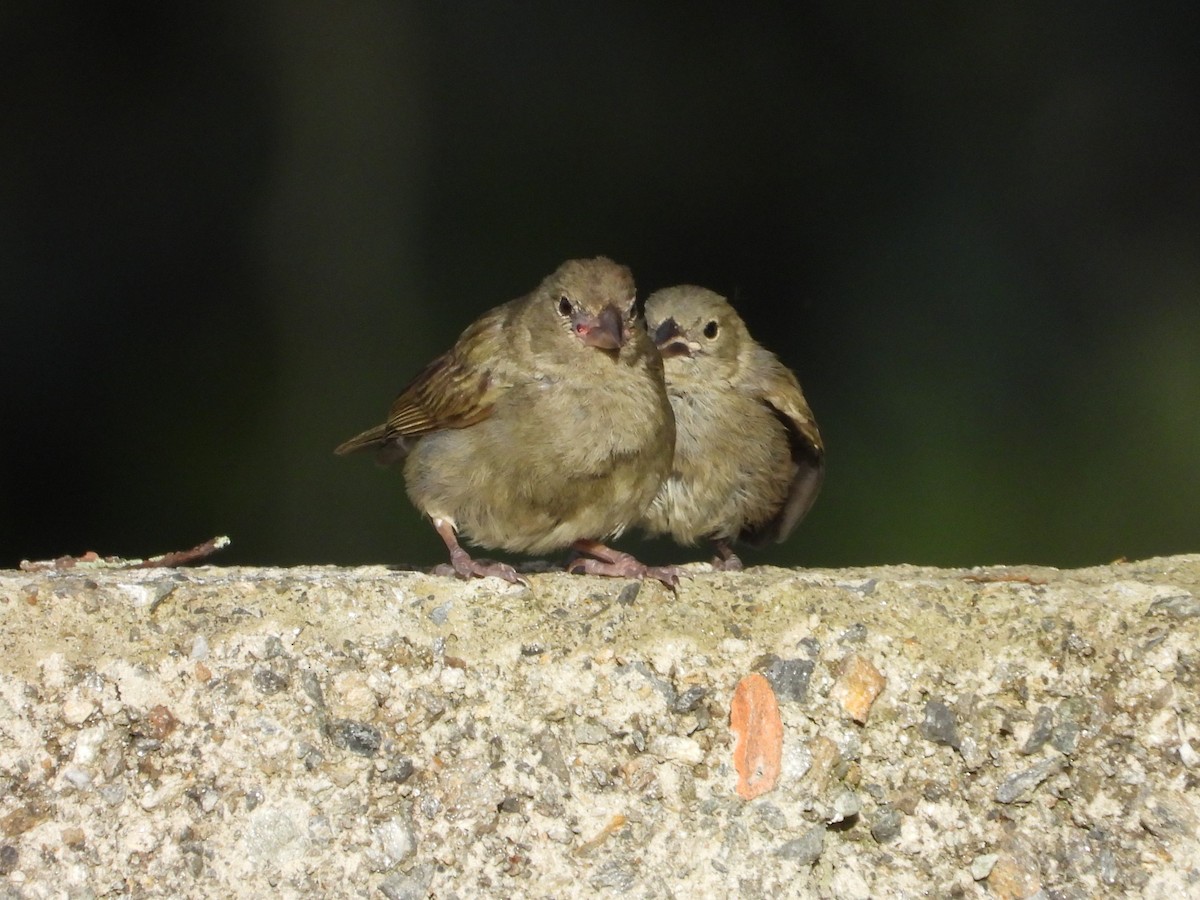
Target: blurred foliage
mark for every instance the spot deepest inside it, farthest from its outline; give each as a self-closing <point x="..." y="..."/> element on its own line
<point x="230" y="232"/>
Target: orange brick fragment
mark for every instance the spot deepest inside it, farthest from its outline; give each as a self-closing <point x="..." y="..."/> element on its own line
<point x="754" y="718"/>
<point x="857" y="687"/>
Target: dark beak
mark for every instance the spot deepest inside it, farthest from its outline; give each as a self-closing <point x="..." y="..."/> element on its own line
<point x="604" y="331"/>
<point x="670" y="340"/>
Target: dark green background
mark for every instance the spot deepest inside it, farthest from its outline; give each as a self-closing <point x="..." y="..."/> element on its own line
<point x="230" y="232"/>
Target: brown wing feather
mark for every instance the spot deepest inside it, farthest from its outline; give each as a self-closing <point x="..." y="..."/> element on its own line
<point x="781" y="392"/>
<point x="453" y="391"/>
<point x="447" y="394"/>
<point x="456" y="390"/>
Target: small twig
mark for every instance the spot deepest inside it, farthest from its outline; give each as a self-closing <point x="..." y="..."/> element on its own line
<point x="92" y="560"/>
<point x="184" y="557"/>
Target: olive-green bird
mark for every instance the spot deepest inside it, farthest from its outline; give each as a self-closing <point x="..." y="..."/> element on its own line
<point x="749" y="460"/>
<point x="546" y="426"/>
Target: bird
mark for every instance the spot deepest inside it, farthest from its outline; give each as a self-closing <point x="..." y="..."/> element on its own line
<point x="749" y="459"/>
<point x="545" y="427"/>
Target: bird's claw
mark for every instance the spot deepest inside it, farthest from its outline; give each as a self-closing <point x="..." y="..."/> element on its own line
<point x="725" y="560"/>
<point x="624" y="566"/>
<point x="730" y="563"/>
<point x="463" y="566"/>
<point x="668" y="575"/>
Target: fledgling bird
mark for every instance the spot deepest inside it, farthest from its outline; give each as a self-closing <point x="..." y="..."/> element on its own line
<point x="545" y="426"/>
<point x="749" y="460"/>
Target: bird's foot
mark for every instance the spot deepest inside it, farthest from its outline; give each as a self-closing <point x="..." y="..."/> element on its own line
<point x="730" y="563"/>
<point x="603" y="560"/>
<point x="584" y="565"/>
<point x="463" y="566"/>
<point x="725" y="560"/>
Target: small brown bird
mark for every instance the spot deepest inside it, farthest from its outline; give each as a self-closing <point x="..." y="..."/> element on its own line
<point x="546" y="426"/>
<point x="749" y="460"/>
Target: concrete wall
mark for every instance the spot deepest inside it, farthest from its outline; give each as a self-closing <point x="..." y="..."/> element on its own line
<point x="321" y="731"/>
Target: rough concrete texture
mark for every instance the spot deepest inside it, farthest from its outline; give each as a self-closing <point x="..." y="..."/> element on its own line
<point x="366" y="732"/>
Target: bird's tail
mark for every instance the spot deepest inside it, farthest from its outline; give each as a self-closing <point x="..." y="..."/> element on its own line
<point x="370" y="439"/>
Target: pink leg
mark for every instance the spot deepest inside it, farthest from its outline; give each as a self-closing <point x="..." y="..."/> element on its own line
<point x="601" y="559"/>
<point x="463" y="566"/>
<point x="725" y="560"/>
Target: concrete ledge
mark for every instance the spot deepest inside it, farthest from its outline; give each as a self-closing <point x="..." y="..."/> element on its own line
<point x="363" y="732"/>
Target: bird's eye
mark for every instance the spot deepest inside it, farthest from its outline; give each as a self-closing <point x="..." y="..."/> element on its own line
<point x="711" y="329"/>
<point x="635" y="308"/>
<point x="564" y="305"/>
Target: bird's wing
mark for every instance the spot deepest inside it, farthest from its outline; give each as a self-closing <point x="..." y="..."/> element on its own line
<point x="780" y="390"/>
<point x="456" y="390"/>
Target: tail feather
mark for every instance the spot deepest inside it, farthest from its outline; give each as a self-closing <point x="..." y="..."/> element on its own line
<point x="370" y="439"/>
<point x="389" y="448"/>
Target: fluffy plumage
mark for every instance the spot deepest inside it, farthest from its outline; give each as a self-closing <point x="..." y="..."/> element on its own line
<point x="749" y="460"/>
<point x="546" y="426"/>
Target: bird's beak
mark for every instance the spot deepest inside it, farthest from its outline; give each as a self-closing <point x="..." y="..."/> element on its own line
<point x="604" y="331"/>
<point x="671" y="341"/>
